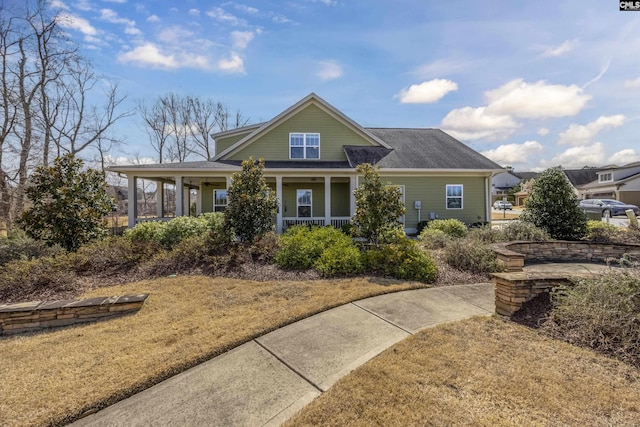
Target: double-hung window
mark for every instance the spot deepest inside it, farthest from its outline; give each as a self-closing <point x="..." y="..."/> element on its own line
<point x="304" y="145"/>
<point x="304" y="199"/>
<point x="219" y="200"/>
<point x="454" y="196"/>
<point x="605" y="177"/>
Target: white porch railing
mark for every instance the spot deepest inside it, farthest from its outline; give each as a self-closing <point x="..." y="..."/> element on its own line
<point x="336" y="221"/>
<point x="166" y="218"/>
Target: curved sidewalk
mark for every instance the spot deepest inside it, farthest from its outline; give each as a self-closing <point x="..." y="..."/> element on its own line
<point x="267" y="380"/>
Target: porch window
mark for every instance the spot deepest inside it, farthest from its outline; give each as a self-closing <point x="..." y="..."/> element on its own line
<point x="304" y="198"/>
<point x="219" y="200"/>
<point x="304" y="145"/>
<point x="454" y="196"/>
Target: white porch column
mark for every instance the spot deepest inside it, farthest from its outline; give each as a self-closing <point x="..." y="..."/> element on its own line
<point x="199" y="199"/>
<point x="159" y="199"/>
<point x="132" y="199"/>
<point x="279" y="215"/>
<point x="353" y="183"/>
<point x="179" y="196"/>
<point x="186" y="195"/>
<point x="327" y="200"/>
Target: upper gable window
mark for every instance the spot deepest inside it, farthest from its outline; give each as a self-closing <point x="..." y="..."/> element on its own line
<point x="605" y="177"/>
<point x="304" y="145"/>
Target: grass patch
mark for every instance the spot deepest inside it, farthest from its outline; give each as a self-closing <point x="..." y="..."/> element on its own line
<point x="483" y="372"/>
<point x="54" y="377"/>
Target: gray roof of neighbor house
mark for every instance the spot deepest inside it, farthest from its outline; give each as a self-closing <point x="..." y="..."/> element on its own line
<point x="428" y="149"/>
<point x="526" y="175"/>
<point x="579" y="177"/>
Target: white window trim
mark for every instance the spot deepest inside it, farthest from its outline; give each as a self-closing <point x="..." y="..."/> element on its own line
<point x="304" y="145"/>
<point x="446" y="197"/>
<point x="298" y="204"/>
<point x="214" y="199"/>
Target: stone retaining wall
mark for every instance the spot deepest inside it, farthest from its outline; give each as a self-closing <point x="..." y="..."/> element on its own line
<point x="513" y="255"/>
<point x="514" y="287"/>
<point x="37" y="315"/>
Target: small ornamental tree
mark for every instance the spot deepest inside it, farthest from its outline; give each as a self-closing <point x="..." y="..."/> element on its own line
<point x="251" y="204"/>
<point x="68" y="204"/>
<point x="553" y="206"/>
<point x="378" y="206"/>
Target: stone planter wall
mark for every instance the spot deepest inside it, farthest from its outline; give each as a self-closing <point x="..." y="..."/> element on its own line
<point x="514" y="287"/>
<point x="37" y="315"/>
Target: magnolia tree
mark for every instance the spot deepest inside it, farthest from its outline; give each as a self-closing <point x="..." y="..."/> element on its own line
<point x="553" y="206"/>
<point x="251" y="204"/>
<point x="68" y="205"/>
<point x="378" y="206"/>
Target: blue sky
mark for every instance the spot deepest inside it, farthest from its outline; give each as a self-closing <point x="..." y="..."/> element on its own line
<point x="528" y="84"/>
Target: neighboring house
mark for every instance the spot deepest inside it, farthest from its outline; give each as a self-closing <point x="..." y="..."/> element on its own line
<point x="615" y="182"/>
<point x="502" y="183"/>
<point x="578" y="178"/>
<point x="311" y="151"/>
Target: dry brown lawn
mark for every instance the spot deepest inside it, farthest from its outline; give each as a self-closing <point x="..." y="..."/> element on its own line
<point x="481" y="372"/>
<point x="54" y="377"/>
<point x="504" y="215"/>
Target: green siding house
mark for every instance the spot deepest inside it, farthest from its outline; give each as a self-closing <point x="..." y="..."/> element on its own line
<point x="311" y="151"/>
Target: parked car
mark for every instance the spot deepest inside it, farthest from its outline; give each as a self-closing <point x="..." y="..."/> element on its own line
<point x="502" y="205"/>
<point x="607" y="207"/>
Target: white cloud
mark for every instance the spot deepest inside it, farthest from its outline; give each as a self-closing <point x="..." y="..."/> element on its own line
<point x="565" y="47"/>
<point x="474" y="123"/>
<point x="194" y="12"/>
<point x="622" y="157"/>
<point x="632" y="84"/>
<point x="514" y="154"/>
<point x="536" y="100"/>
<point x="84" y="5"/>
<point x="58" y="4"/>
<point x="111" y="16"/>
<point x="241" y="39"/>
<point x="426" y="92"/>
<point x="233" y="65"/>
<point x="219" y="14"/>
<point x="148" y="54"/>
<point x="329" y="70"/>
<point x="77" y="23"/>
<point x="543" y="131"/>
<point x="327" y="2"/>
<point x="132" y="31"/>
<point x="153" y="18"/>
<point x="441" y="67"/>
<point x="247" y="9"/>
<point x="577" y="135"/>
<point x="279" y="19"/>
<point x="174" y="34"/>
<point x="115" y="1"/>
<point x="578" y="157"/>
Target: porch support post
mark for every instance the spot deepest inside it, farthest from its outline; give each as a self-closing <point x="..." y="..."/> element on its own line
<point x="132" y="200"/>
<point x="280" y="204"/>
<point x="199" y="199"/>
<point x="159" y="199"/>
<point x="327" y="200"/>
<point x="179" y="196"/>
<point x="352" y="198"/>
<point x="186" y="195"/>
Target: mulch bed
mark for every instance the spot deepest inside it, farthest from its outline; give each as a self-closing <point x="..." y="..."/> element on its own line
<point x="533" y="312"/>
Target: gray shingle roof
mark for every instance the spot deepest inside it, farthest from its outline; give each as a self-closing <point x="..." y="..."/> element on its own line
<point x="294" y="164"/>
<point x="358" y="154"/>
<point x="184" y="165"/>
<point x="581" y="176"/>
<point x="428" y="149"/>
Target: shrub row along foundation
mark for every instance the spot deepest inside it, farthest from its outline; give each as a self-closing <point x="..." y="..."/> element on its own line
<point x="515" y="287"/>
<point x="38" y="315"/>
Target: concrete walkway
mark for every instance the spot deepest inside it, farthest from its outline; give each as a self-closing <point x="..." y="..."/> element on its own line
<point x="266" y="381"/>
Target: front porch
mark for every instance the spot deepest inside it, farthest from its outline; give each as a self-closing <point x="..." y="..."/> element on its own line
<point x="302" y="199"/>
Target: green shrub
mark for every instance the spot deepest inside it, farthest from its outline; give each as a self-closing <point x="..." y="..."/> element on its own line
<point x="340" y="260"/>
<point x="599" y="231"/>
<point x="601" y="313"/>
<point x="181" y="228"/>
<point x="391" y="234"/>
<point x="452" y="227"/>
<point x="302" y="246"/>
<point x="522" y="230"/>
<point x="150" y="231"/>
<point x="472" y="256"/>
<point x="402" y="260"/>
<point x="26" y="249"/>
<point x="433" y="238"/>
